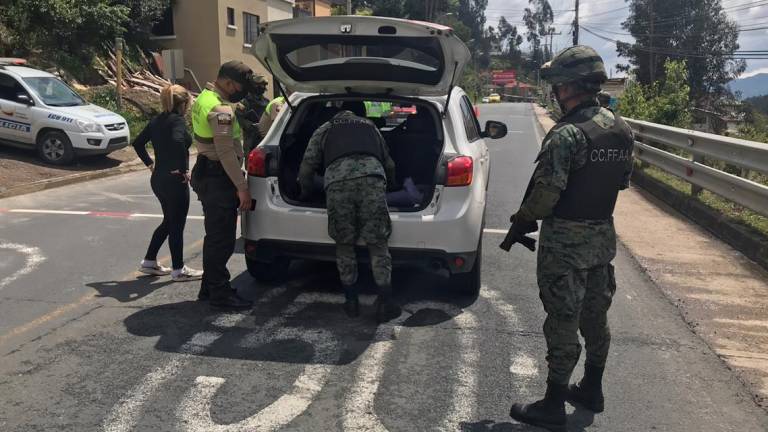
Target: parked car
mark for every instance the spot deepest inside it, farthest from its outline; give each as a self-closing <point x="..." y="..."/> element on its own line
<point x="39" y="111"/>
<point x="494" y="98"/>
<point x="439" y="148"/>
<point x="486" y="99"/>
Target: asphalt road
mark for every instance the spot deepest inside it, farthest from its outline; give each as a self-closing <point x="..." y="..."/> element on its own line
<point x="85" y="345"/>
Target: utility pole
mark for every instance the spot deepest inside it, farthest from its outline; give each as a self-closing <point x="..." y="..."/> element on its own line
<point x="349" y="7"/>
<point x="651" y="59"/>
<point x="576" y="25"/>
<point x="119" y="72"/>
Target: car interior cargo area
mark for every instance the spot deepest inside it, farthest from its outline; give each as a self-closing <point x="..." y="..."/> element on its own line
<point x="410" y="129"/>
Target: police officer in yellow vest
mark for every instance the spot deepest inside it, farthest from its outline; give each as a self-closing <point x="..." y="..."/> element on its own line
<point x="218" y="179"/>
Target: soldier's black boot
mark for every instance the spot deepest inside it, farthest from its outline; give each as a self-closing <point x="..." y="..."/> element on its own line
<point x="548" y="413"/>
<point x="386" y="308"/>
<point x="351" y="301"/>
<point x="589" y="391"/>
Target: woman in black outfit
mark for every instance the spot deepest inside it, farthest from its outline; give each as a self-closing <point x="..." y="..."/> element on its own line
<point x="170" y="181"/>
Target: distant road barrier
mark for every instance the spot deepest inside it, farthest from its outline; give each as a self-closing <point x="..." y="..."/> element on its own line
<point x="747" y="155"/>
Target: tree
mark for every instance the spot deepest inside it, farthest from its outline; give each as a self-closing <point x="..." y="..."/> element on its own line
<point x="510" y="41"/>
<point x="666" y="102"/>
<point x="67" y="32"/>
<point x="698" y="31"/>
<point x="538" y="21"/>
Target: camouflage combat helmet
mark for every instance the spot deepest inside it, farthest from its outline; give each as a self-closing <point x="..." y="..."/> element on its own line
<point x="578" y="63"/>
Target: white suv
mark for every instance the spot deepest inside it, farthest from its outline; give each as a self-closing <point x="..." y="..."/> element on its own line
<point x="39" y="111"/>
<point x="439" y="148"/>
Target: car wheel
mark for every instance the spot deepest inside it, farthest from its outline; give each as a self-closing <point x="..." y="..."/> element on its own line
<point x="268" y="272"/>
<point x="469" y="283"/>
<point x="54" y="147"/>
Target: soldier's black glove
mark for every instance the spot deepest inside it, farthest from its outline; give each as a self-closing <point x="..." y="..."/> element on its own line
<point x="523" y="226"/>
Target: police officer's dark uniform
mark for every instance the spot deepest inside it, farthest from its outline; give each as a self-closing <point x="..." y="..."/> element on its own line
<point x="218" y="179"/>
<point x="250" y="110"/>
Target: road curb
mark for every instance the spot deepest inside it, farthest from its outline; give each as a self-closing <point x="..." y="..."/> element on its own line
<point x="55" y="182"/>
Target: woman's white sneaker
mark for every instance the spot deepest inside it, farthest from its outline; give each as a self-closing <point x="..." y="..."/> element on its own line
<point x="154" y="269"/>
<point x="185" y="274"/>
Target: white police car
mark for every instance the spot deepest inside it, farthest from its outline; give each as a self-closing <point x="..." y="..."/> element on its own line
<point x="38" y="111"/>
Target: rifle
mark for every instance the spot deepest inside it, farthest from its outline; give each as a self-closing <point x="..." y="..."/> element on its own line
<point x="513" y="236"/>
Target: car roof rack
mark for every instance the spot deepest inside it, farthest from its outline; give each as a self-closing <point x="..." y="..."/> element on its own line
<point x="11" y="61"/>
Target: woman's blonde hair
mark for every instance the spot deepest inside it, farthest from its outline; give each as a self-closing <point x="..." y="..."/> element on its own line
<point x="173" y="97"/>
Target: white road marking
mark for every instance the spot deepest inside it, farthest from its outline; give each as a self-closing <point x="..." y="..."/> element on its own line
<point x="33" y="258"/>
<point x="359" y="413"/>
<point x="505" y="231"/>
<point x="195" y="410"/>
<point x="96" y="213"/>
<point x="125" y="415"/>
<point x="522" y="365"/>
<point x="57" y="212"/>
<point x="464" y="398"/>
<point x="159" y="216"/>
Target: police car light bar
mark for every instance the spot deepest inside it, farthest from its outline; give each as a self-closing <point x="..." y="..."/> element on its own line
<point x="10" y="61"/>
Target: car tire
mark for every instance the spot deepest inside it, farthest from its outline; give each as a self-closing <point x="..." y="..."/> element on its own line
<point x="268" y="272"/>
<point x="55" y="148"/>
<point x="469" y="283"/>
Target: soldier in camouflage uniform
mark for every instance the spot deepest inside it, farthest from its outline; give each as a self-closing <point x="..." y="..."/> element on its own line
<point x="584" y="161"/>
<point x="357" y="166"/>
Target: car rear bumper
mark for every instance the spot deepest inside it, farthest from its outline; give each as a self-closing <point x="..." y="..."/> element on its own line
<point x="266" y="250"/>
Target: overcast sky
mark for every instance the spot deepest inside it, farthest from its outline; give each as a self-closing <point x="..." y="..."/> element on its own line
<point x="605" y="17"/>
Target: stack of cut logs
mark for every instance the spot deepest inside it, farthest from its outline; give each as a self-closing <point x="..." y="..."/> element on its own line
<point x="136" y="77"/>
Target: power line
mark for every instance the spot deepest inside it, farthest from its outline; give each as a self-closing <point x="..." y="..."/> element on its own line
<point x="674" y="53"/>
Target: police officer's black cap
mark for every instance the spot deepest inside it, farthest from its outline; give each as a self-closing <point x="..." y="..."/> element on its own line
<point x="236" y="71"/>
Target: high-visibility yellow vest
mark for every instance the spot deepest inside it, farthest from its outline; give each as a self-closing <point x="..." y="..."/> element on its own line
<point x="204" y="103"/>
<point x="278" y="100"/>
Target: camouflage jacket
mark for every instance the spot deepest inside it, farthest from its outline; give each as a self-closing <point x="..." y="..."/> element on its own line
<point x="580" y="244"/>
<point x="345" y="168"/>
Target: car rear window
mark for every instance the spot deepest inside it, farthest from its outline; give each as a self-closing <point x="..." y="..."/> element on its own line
<point x="340" y="58"/>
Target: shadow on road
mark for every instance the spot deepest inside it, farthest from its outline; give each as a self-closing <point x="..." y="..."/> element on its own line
<point x="578" y="421"/>
<point x="130" y="290"/>
<point x="298" y="322"/>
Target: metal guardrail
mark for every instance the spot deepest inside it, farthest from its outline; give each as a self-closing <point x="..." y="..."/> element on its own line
<point x="748" y="155"/>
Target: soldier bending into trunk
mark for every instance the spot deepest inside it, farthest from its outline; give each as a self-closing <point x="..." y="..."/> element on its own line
<point x="357" y="166"/>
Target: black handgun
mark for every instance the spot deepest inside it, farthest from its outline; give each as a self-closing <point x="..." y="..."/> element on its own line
<point x="513" y="237"/>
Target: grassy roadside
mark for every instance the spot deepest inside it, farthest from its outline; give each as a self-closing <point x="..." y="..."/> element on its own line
<point x="737" y="213"/>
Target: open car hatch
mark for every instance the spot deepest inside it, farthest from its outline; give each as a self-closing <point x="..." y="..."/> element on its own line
<point x="360" y="54"/>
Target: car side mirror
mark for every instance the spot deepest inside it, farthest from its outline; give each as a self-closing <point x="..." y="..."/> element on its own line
<point x="24" y="99"/>
<point x="494" y="130"/>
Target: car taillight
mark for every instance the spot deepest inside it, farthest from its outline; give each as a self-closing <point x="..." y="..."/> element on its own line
<point x="477" y="110"/>
<point x="459" y="172"/>
<point x="257" y="163"/>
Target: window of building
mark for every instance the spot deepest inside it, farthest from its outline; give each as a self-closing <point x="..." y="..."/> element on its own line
<point x="251" y="28"/>
<point x="231" y="16"/>
<point x="164" y="27"/>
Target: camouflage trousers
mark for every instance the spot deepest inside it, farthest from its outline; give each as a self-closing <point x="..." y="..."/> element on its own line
<point x="357" y="210"/>
<point x="576" y="286"/>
